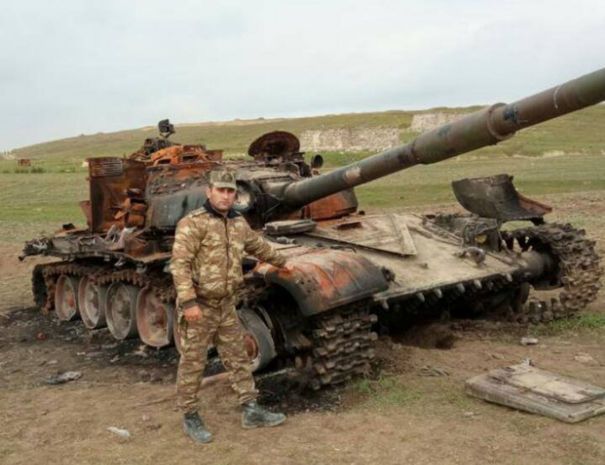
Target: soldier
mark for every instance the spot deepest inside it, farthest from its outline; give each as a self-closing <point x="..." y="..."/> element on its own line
<point x="206" y="267"/>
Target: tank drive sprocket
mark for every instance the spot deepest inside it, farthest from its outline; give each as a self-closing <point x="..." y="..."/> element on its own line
<point x="578" y="270"/>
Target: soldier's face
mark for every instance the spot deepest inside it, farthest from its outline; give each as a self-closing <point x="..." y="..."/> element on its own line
<point x="221" y="198"/>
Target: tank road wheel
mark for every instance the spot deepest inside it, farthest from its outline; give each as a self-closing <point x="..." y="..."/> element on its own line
<point x="257" y="339"/>
<point x="120" y="310"/>
<point x="66" y="297"/>
<point x="91" y="299"/>
<point x="155" y="319"/>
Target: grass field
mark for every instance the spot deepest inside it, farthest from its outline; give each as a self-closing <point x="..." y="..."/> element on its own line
<point x="37" y="202"/>
<point x="565" y="155"/>
<point x="576" y="133"/>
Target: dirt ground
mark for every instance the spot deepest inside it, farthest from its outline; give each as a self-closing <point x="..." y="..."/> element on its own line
<point x="414" y="411"/>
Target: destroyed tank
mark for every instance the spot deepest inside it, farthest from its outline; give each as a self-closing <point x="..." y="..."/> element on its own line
<point x="352" y="272"/>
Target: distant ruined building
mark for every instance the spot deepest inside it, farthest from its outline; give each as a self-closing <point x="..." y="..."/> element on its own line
<point x="422" y="122"/>
<point x="371" y="139"/>
<point x="350" y="139"/>
<point x="7" y="155"/>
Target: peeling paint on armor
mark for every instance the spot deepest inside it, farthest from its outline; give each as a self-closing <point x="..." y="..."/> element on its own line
<point x="352" y="175"/>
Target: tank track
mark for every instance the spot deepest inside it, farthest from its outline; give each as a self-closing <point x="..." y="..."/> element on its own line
<point x="579" y="270"/>
<point x="343" y="346"/>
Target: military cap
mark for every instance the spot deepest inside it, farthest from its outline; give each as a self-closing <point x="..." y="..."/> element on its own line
<point x="222" y="178"/>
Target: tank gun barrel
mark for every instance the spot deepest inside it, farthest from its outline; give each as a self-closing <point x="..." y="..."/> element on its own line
<point x="479" y="129"/>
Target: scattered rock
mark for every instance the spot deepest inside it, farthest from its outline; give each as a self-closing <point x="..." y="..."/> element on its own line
<point x="48" y="362"/>
<point x="123" y="433"/>
<point x="428" y="370"/>
<point x="529" y="341"/>
<point x="141" y="351"/>
<point x="584" y="358"/>
<point x="41" y="336"/>
<point x="153" y="426"/>
<point x="64" y="377"/>
<point x="94" y="354"/>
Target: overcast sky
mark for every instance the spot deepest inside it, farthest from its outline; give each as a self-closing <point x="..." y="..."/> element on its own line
<point x="71" y="66"/>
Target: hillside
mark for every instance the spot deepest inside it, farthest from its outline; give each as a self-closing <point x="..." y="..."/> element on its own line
<point x="580" y="132"/>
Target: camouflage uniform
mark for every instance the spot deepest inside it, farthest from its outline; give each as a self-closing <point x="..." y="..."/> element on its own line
<point x="206" y="267"/>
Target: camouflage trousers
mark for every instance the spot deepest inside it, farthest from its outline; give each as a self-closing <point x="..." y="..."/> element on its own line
<point x="219" y="326"/>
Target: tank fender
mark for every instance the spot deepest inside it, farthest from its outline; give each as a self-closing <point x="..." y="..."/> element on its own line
<point x="324" y="279"/>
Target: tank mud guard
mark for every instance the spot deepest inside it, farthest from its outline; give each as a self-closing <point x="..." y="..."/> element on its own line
<point x="323" y="279"/>
<point x="496" y="197"/>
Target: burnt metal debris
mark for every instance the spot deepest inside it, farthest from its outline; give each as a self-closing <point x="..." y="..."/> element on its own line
<point x="525" y="387"/>
<point x="352" y="272"/>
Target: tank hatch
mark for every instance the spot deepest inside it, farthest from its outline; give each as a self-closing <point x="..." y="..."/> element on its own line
<point x="276" y="144"/>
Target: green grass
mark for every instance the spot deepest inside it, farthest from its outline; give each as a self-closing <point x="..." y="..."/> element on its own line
<point x="386" y="392"/>
<point x="50" y="198"/>
<point x="423" y="185"/>
<point x="233" y="137"/>
<point x="46" y="195"/>
<point x="36" y="204"/>
<point x="582" y="322"/>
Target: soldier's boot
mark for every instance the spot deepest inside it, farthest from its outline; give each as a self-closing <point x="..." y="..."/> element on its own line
<point x="254" y="415"/>
<point x="194" y="427"/>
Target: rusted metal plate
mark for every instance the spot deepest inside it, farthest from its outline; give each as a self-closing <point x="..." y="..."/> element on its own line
<point x="333" y="206"/>
<point x="178" y="154"/>
<point x="531" y="389"/>
<point x="325" y="279"/>
<point x="496" y="197"/>
<point x="112" y="182"/>
<point x="387" y="233"/>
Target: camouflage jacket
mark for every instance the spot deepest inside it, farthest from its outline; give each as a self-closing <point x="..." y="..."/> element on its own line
<point x="208" y="251"/>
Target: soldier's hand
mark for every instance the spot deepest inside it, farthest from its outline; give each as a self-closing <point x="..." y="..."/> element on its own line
<point x="193" y="313"/>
